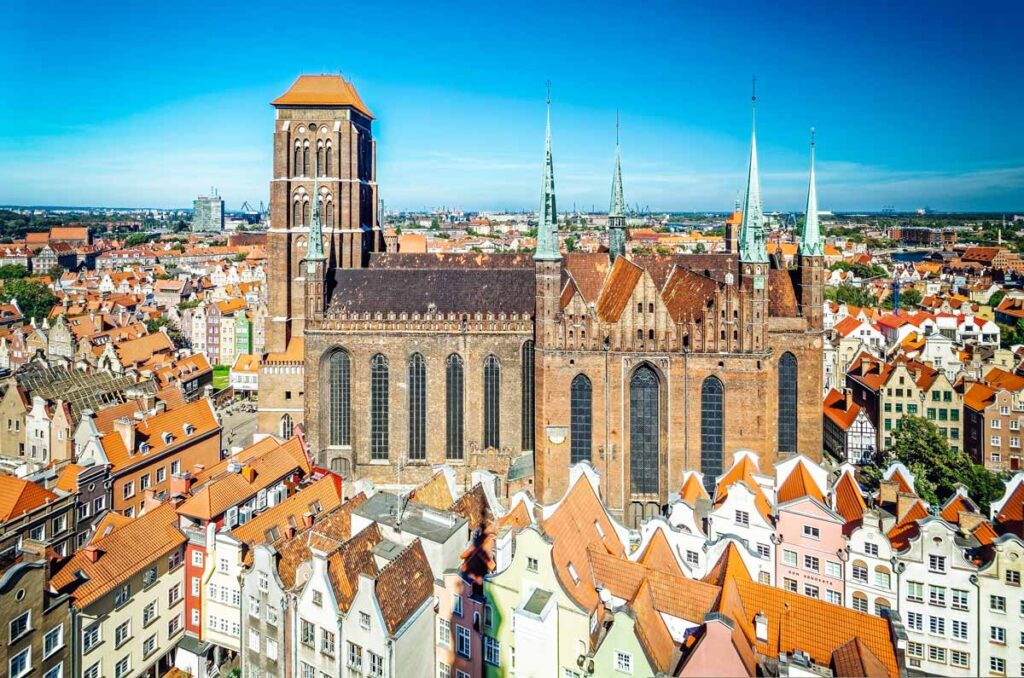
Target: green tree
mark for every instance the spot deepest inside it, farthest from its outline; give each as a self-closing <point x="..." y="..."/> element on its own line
<point x="910" y="298"/>
<point x="848" y="294"/>
<point x="34" y="298"/>
<point x="996" y="298"/>
<point x="13" y="272"/>
<point x="918" y="445"/>
<point x="163" y="322"/>
<point x="570" y="243"/>
<point x="136" y="239"/>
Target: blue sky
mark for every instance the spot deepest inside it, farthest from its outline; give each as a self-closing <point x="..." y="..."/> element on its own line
<point x="150" y="104"/>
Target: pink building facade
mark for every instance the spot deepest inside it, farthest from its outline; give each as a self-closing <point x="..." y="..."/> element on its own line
<point x="810" y="549"/>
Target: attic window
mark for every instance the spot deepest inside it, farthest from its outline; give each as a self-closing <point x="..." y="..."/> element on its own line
<point x="574" y="574"/>
<point x="600" y="530"/>
<point x="189" y="429"/>
<point x="168" y="437"/>
<point x="144" y="448"/>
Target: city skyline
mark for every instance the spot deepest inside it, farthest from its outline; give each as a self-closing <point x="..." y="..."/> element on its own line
<point x="904" y="118"/>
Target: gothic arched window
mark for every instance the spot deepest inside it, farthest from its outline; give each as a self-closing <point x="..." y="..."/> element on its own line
<point x="287" y="428"/>
<point x="339" y="384"/>
<point x="527" y="392"/>
<point x="453" y="406"/>
<point x="644" y="431"/>
<point x="297" y="164"/>
<point x="329" y="214"/>
<point x="378" y="407"/>
<point x="327" y="160"/>
<point x="492" y="402"/>
<point x="417" y="407"/>
<point x="712" y="416"/>
<point x="297" y="213"/>
<point x="305" y="213"/>
<point x="305" y="160"/>
<point x="320" y="160"/>
<point x="787" y="402"/>
<point x="580" y="419"/>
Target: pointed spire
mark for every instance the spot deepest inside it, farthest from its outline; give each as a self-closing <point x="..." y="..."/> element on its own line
<point x="547" y="217"/>
<point x="752" y="233"/>
<point x="617" y="209"/>
<point x="315" y="245"/>
<point x="810" y="239"/>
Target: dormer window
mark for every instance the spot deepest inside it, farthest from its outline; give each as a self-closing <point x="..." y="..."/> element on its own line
<point x="144" y="448"/>
<point x="168" y="437"/>
<point x="189" y="429"/>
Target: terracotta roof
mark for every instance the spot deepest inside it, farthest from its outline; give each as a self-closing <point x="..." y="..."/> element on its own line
<point x="135" y="351"/>
<point x="652" y="631"/>
<point x="798" y="484"/>
<point x="473" y="506"/>
<point x="290" y="511"/>
<point x="328" y="534"/>
<point x="351" y="559"/>
<point x="617" y="289"/>
<point x="836" y="410"/>
<point x="322" y="90"/>
<point x="692" y="490"/>
<point x="979" y="396"/>
<point x="404" y="585"/>
<point x="258" y="472"/>
<point x="795" y="623"/>
<point x="588" y="272"/>
<point x="293" y="353"/>
<point x="743" y="470"/>
<point x="1000" y="378"/>
<point x="434" y="493"/>
<point x="518" y="517"/>
<point x="19" y="496"/>
<point x="849" y="502"/>
<point x="69" y="233"/>
<point x="110" y="522"/>
<point x="730" y="565"/>
<point x="152" y="432"/>
<point x="854" y="658"/>
<point x="121" y="554"/>
<point x="686" y="293"/>
<point x="985" y="533"/>
<point x="902" y="481"/>
<point x="658" y="554"/>
<point x="905" y="529"/>
<point x="572" y="528"/>
<point x="954" y="505"/>
<point x="68" y="479"/>
<point x="782" y="301"/>
<point x="1011" y="514"/>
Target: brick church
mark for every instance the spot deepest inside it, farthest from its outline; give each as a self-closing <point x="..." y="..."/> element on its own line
<point x="645" y="366"/>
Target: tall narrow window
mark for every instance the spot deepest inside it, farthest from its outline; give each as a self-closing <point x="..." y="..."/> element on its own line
<point x="320" y="160"/>
<point x="580" y="419"/>
<point x="305" y="160"/>
<point x="787" y="403"/>
<point x="527" y="390"/>
<point x="328" y="220"/>
<point x="644" y="431"/>
<point x="417" y="408"/>
<point x="339" y="380"/>
<point x="492" y="402"/>
<point x="378" y="407"/>
<point x="297" y="214"/>
<point x="297" y="165"/>
<point x="453" y="406"/>
<point x="287" y="427"/>
<point x="712" y="412"/>
<point x="305" y="213"/>
<point x="327" y="161"/>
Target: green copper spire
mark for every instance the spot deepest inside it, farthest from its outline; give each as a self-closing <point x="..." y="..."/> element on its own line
<point x="315" y="246"/>
<point x="810" y="239"/>
<point x="753" y="245"/>
<point x="547" y="218"/>
<point x="617" y="209"/>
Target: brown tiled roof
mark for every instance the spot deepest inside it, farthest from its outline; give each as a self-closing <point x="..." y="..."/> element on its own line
<point x="473" y="506"/>
<point x="836" y="410"/>
<point x="322" y="90"/>
<point x="404" y="585"/>
<point x="795" y="623"/>
<point x="330" y="531"/>
<point x="399" y="290"/>
<point x="588" y="271"/>
<point x="572" y="529"/>
<point x="652" y="631"/>
<point x="854" y="659"/>
<point x="351" y="559"/>
<point x="1011" y="514"/>
<point x="617" y="289"/>
<point x="121" y="554"/>
<point x="906" y="528"/>
<point x="19" y="496"/>
<point x="729" y="565"/>
<point x="68" y="479"/>
<point x="434" y="493"/>
<point x="290" y="511"/>
<point x="686" y="293"/>
<point x="782" y="301"/>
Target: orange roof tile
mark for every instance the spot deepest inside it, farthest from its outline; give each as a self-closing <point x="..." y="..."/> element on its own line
<point x="854" y="658"/>
<point x="110" y="522"/>
<point x="1011" y="514"/>
<point x="904" y="530"/>
<point x="152" y="432"/>
<point x="658" y="554"/>
<point x="743" y="471"/>
<point x="434" y="493"/>
<point x="836" y="409"/>
<point x="849" y="501"/>
<point x="68" y="479"/>
<point x="121" y="554"/>
<point x="692" y="490"/>
<point x="730" y="565"/>
<point x="617" y="289"/>
<point x="322" y="90"/>
<point x="954" y="505"/>
<point x="19" y="496"/>
<point x="290" y="511"/>
<point x="799" y="484"/>
<point x="518" y="517"/>
<point x="652" y="631"/>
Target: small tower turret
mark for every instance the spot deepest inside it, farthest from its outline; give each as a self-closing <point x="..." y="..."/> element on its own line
<point x="812" y="258"/>
<point x="617" y="209"/>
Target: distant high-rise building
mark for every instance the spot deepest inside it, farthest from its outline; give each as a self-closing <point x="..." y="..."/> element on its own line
<point x="208" y="213"/>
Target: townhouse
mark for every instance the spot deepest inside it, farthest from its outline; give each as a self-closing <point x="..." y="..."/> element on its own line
<point x="993" y="413"/>
<point x="847" y="431"/>
<point x="29" y="511"/>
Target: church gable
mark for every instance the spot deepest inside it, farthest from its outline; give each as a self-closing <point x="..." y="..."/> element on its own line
<point x="618" y="290"/>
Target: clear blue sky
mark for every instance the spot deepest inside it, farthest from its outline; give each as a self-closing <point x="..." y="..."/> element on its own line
<point x="151" y="103"/>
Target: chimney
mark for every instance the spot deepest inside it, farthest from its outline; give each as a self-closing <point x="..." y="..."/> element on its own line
<point x="848" y="392"/>
<point x="887" y="490"/>
<point x="761" y="627"/>
<point x="126" y="428"/>
<point x="307" y="519"/>
<point x="92" y="553"/>
<point x="904" y="502"/>
<point x="181" y="484"/>
<point x="289" y="532"/>
<point x="969" y="520"/>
